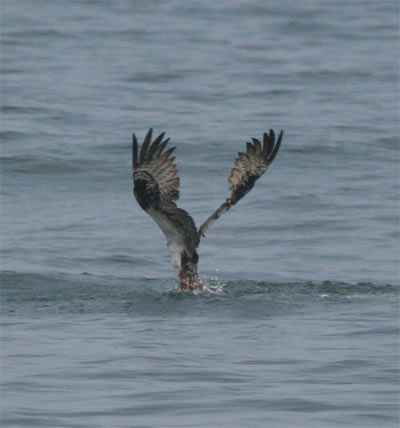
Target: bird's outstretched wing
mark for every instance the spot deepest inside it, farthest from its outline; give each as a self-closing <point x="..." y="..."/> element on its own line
<point x="156" y="187"/>
<point x="249" y="167"/>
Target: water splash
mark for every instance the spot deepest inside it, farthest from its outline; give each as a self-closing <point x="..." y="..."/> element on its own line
<point x="213" y="286"/>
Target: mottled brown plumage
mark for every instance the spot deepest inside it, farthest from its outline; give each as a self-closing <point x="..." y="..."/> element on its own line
<point x="249" y="167"/>
<point x="156" y="188"/>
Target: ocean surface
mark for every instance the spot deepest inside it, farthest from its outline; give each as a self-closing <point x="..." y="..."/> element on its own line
<point x="298" y="325"/>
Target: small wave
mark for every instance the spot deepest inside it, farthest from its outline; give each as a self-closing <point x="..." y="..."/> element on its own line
<point x="298" y="291"/>
<point x="30" y="110"/>
<point x="27" y="34"/>
<point x="30" y="164"/>
<point x="37" y="293"/>
<point x="331" y="289"/>
<point x="11" y="136"/>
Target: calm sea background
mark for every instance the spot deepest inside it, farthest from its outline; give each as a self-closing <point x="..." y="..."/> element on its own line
<point x="298" y="325"/>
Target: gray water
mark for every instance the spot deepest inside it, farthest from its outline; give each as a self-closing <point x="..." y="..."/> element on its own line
<point x="298" y="323"/>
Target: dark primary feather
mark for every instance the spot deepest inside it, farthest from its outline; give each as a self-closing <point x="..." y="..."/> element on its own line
<point x="249" y="167"/>
<point x="156" y="187"/>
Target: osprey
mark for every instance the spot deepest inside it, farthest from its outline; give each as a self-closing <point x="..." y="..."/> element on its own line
<point x="156" y="188"/>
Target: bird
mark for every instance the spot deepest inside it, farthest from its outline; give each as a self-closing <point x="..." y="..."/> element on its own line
<point x="156" y="189"/>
